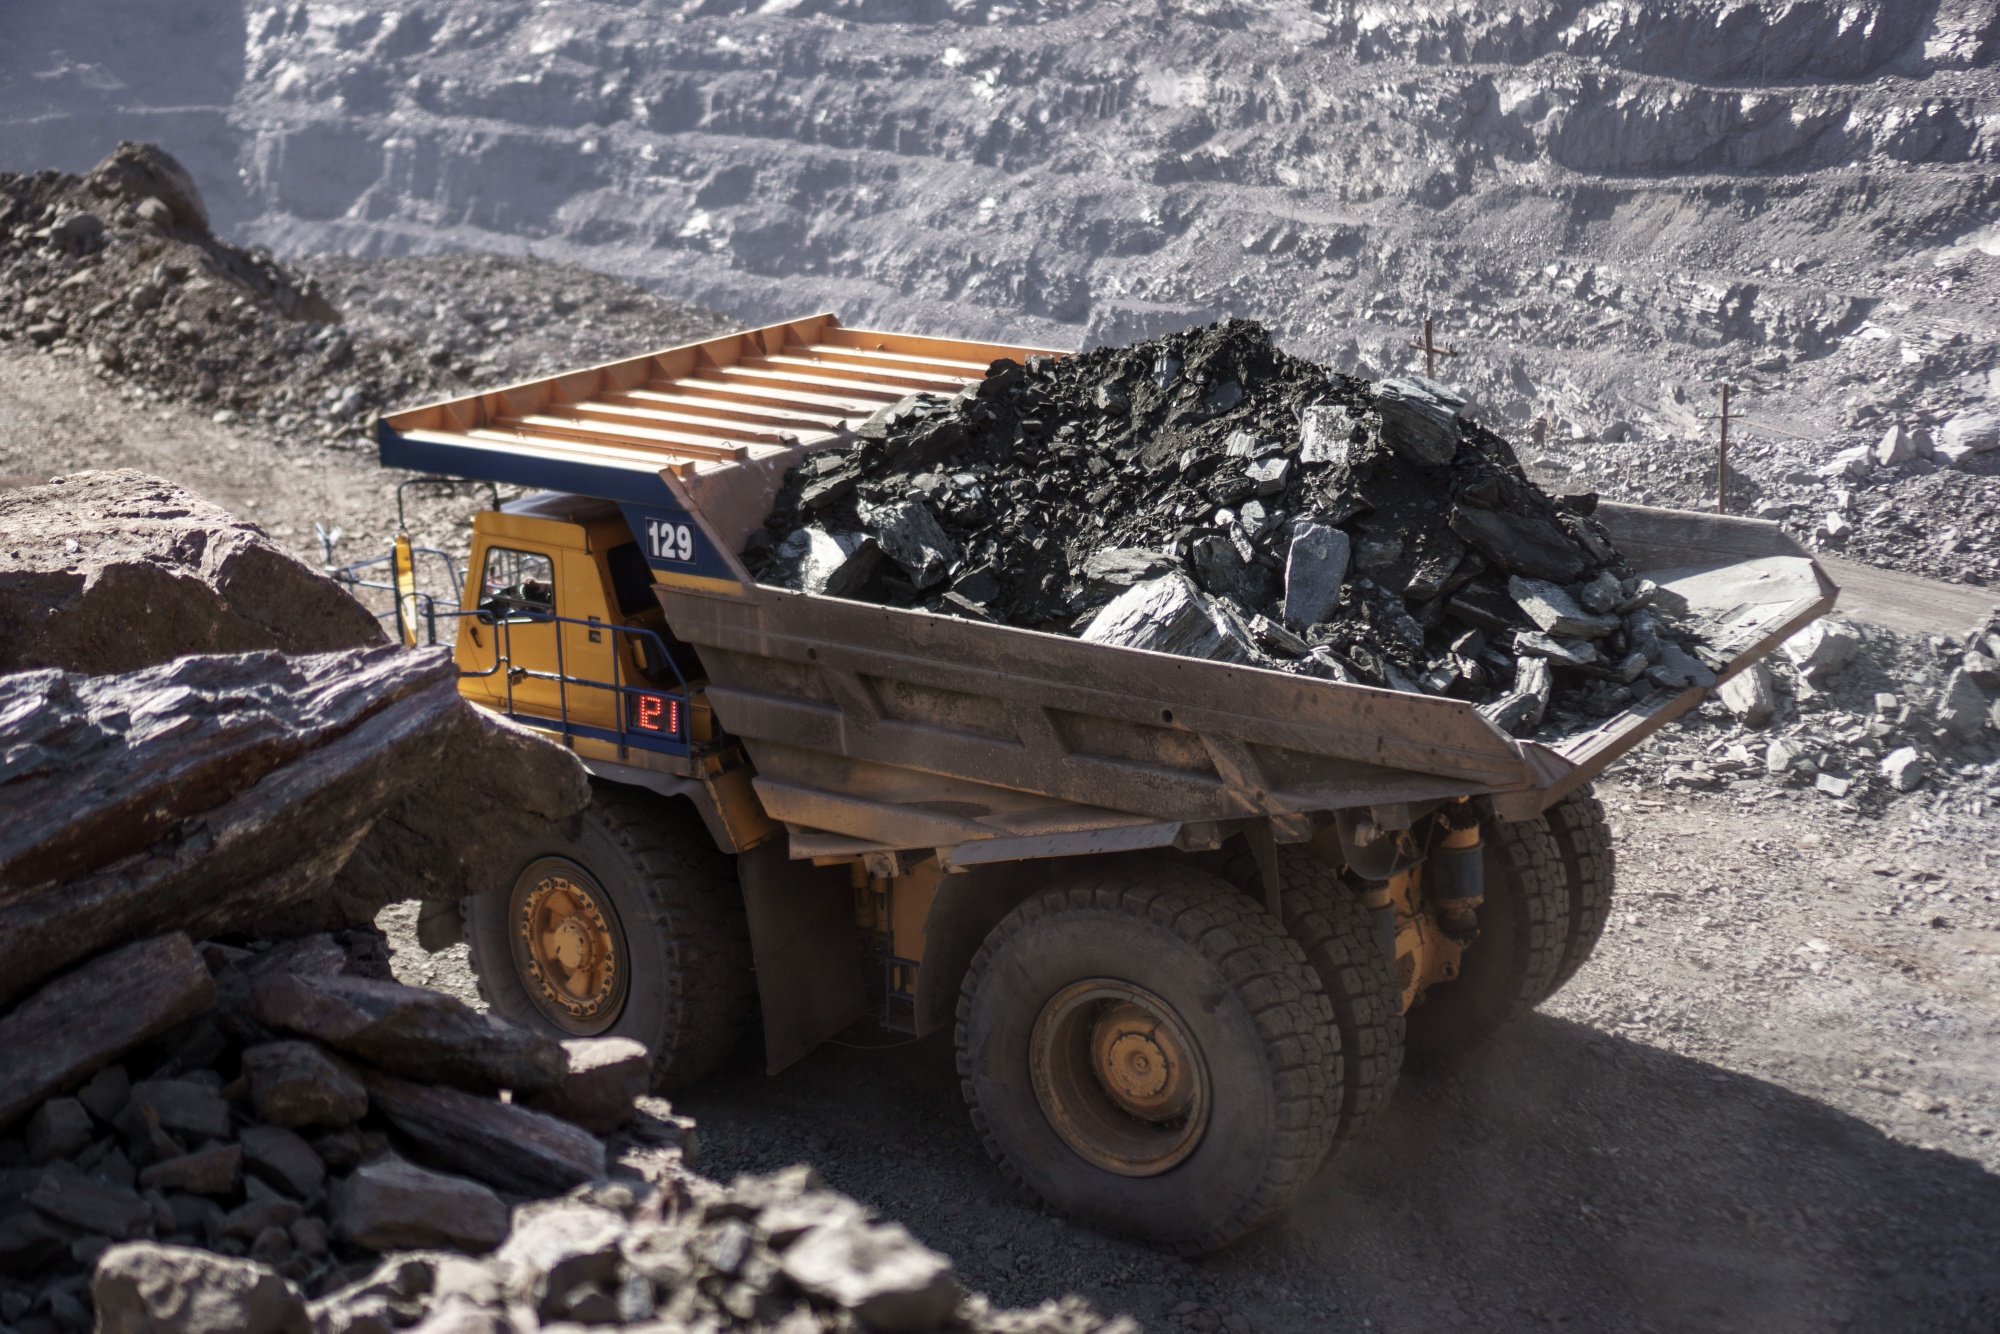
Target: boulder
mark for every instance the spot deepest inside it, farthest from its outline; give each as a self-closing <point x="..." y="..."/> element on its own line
<point x="553" y="1249"/>
<point x="605" y="1079"/>
<point x="81" y="1022"/>
<point x="1170" y="615"/>
<point x="90" y="1203"/>
<point x="1904" y="768"/>
<point x="1966" y="434"/>
<point x="183" y="1107"/>
<point x="1555" y="611"/>
<point x="1821" y="649"/>
<point x="296" y="1084"/>
<point x="909" y="535"/>
<point x="147" y="1288"/>
<point x="1315" y="568"/>
<point x="280" y="1158"/>
<point x="1525" y="544"/>
<point x="506" y="1145"/>
<point x="1419" y="419"/>
<point x="833" y="564"/>
<point x="1325" y="435"/>
<point x="1961" y="709"/>
<point x="226" y="793"/>
<point x="60" y="1128"/>
<point x="114" y="571"/>
<point x="215" y="1170"/>
<point x="135" y="172"/>
<point x="390" y="1203"/>
<point x="410" y="1031"/>
<point x="1114" y="569"/>
<point x="1751" y="695"/>
<point x="890" y="1280"/>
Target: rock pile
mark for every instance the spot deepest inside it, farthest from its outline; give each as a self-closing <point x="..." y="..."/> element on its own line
<point x="257" y="1137"/>
<point x="1850" y="714"/>
<point x="118" y="265"/>
<point x="1206" y="494"/>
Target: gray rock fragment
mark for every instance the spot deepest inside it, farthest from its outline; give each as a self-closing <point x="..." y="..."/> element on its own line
<point x="1751" y="695"/>
<point x="1519" y="543"/>
<point x="1115" y="569"/>
<point x="555" y="1248"/>
<point x="1677" y="669"/>
<point x="281" y="1158"/>
<point x="1567" y="652"/>
<point x="606" y="1077"/>
<point x="177" y="1106"/>
<point x="1961" y="709"/>
<point x="296" y="1084"/>
<point x="1821" y="649"/>
<point x="1419" y="419"/>
<point x="1269" y="474"/>
<point x="390" y="1203"/>
<point x="832" y="564"/>
<point x="1603" y="594"/>
<point x="87" y="1202"/>
<point x="506" y="1145"/>
<point x="1555" y="611"/>
<point x="81" y="1021"/>
<point x="60" y="1128"/>
<point x="409" y="1030"/>
<point x="1324" y="435"/>
<point x="1315" y="568"/>
<point x="1966" y="434"/>
<point x="214" y="1170"/>
<point x="1904" y="768"/>
<point x="891" y="1281"/>
<point x="147" y="1288"/>
<point x="1169" y="615"/>
<point x="909" y="535"/>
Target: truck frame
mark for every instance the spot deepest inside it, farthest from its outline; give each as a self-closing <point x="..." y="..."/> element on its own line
<point x="1183" y="917"/>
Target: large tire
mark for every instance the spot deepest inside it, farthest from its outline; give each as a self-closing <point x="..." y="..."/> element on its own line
<point x="1331" y="925"/>
<point x="671" y="901"/>
<point x="1247" y="1005"/>
<point x="1510" y="965"/>
<point x="1583" y="839"/>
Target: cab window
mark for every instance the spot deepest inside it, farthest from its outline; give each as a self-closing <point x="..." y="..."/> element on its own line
<point x="517" y="583"/>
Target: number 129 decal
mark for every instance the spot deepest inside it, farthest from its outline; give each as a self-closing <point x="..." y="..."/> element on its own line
<point x="667" y="540"/>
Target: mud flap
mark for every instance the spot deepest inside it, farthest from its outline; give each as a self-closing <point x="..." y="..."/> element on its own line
<point x="804" y="948"/>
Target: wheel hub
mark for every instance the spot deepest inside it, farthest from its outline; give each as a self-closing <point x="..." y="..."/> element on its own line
<point x="570" y="947"/>
<point x="1118" y="1077"/>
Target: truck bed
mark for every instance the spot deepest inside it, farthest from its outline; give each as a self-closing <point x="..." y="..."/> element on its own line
<point x="876" y="729"/>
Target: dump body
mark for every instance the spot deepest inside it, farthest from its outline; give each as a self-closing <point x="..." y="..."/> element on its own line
<point x="876" y="731"/>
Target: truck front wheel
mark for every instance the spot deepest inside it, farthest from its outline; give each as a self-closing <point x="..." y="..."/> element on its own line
<point x="1146" y="1049"/>
<point x="624" y="922"/>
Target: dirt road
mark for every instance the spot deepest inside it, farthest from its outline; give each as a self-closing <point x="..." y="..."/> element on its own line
<point x="1770" y="1103"/>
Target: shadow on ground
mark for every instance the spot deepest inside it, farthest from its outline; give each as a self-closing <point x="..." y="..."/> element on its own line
<point x="1561" y="1178"/>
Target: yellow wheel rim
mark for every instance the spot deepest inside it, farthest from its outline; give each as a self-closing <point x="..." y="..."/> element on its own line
<point x="1119" y="1077"/>
<point x="569" y="946"/>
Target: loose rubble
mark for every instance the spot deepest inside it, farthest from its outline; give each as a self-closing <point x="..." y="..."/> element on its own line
<point x="237" y="1164"/>
<point x="1208" y="495"/>
<point x="119" y="265"/>
<point x="1851" y="714"/>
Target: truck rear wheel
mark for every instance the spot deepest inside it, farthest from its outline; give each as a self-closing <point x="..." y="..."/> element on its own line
<point x="624" y="922"/>
<point x="1511" y="964"/>
<point x="1584" y="840"/>
<point x="1145" y="1049"/>
<point x="1332" y="927"/>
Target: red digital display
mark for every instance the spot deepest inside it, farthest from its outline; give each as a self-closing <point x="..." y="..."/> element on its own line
<point x="657" y="713"/>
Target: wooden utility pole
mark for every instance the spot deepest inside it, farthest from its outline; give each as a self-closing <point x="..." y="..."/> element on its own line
<point x="1722" y="420"/>
<point x="1432" y="350"/>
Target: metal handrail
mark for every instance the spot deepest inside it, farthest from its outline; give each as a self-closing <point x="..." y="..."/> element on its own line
<point x="503" y="646"/>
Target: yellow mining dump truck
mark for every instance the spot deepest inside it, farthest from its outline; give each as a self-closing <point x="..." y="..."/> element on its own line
<point x="1183" y="916"/>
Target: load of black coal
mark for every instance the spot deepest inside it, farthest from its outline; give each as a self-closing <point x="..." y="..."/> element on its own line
<point x="1206" y="494"/>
